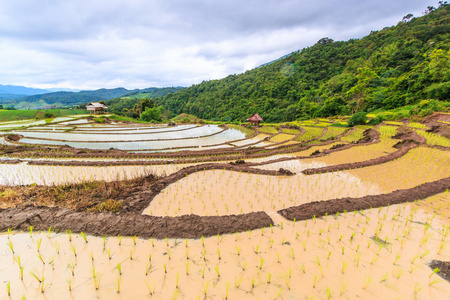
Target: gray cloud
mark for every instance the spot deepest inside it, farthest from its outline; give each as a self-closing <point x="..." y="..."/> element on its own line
<point x="141" y="43"/>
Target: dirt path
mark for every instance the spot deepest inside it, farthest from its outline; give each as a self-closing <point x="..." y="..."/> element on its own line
<point x="331" y="207"/>
<point x="101" y="224"/>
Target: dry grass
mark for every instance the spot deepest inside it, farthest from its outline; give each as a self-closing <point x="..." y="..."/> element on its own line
<point x="91" y="196"/>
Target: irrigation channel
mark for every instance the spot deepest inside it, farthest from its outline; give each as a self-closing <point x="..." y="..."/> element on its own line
<point x="199" y="211"/>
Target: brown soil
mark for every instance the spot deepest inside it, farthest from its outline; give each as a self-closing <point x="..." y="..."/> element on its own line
<point x="406" y="133"/>
<point x="444" y="268"/>
<point x="12" y="137"/>
<point x="441" y="130"/>
<point x="131" y="197"/>
<point x="330" y="207"/>
<point x="101" y="224"/>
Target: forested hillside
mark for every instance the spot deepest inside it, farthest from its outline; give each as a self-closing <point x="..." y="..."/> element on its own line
<point x="393" y="67"/>
<point x="127" y="102"/>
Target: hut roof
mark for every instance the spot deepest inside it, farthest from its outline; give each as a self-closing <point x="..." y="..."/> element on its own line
<point x="255" y="118"/>
<point x="97" y="104"/>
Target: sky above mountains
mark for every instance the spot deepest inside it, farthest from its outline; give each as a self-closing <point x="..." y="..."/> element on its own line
<point x="142" y="43"/>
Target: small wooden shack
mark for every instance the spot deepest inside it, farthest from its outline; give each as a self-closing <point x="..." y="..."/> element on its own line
<point x="96" y="107"/>
<point x="255" y="119"/>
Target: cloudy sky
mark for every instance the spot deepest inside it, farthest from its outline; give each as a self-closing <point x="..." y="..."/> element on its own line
<point x="85" y="44"/>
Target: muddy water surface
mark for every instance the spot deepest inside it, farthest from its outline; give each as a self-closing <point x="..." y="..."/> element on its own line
<point x="379" y="253"/>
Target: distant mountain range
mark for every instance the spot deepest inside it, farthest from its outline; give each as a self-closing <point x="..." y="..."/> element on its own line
<point x="20" y="90"/>
<point x="28" y="98"/>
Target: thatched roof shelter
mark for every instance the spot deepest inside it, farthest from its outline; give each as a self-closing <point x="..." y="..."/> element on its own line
<point x="255" y="119"/>
<point x="96" y="107"/>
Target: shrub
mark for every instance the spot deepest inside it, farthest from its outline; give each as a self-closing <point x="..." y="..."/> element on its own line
<point x="359" y="118"/>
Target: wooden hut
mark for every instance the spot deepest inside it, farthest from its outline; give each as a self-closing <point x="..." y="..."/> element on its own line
<point x="96" y="107"/>
<point x="255" y="119"/>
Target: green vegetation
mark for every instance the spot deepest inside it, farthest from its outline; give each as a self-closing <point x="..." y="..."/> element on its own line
<point x="359" y="118"/>
<point x="126" y="104"/>
<point x="268" y="129"/>
<point x="388" y="69"/>
<point x="11" y="115"/>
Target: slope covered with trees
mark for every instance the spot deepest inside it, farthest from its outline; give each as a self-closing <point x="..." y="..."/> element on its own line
<point x="396" y="66"/>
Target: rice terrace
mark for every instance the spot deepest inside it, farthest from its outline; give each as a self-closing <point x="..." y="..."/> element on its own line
<point x="303" y="209"/>
<point x="213" y="150"/>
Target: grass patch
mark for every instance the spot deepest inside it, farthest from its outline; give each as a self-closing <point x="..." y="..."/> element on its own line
<point x="268" y="129"/>
<point x="281" y="137"/>
<point x="310" y="133"/>
<point x="291" y="131"/>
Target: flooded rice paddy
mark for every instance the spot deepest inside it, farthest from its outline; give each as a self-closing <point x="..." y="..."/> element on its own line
<point x="368" y="254"/>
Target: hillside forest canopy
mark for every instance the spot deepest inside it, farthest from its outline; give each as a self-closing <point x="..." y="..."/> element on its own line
<point x="406" y="64"/>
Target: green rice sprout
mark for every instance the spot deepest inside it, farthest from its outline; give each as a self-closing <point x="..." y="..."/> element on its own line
<point x="30" y="229"/>
<point x="315" y="281"/>
<point x="205" y="289"/>
<point x="342" y="288"/>
<point x="397" y="273"/>
<point x="104" y="241"/>
<point x="11" y="247"/>
<point x="278" y="294"/>
<point x="120" y="239"/>
<point x="188" y="266"/>
<point x="41" y="259"/>
<point x="151" y="290"/>
<point x="8" y="288"/>
<point x="38" y="244"/>
<point x="134" y="239"/>
<point x="256" y="249"/>
<point x="238" y="250"/>
<point x="69" y="233"/>
<point x="118" y="281"/>
<point x="165" y="268"/>
<point x="203" y="272"/>
<point x="244" y="265"/>
<point x="329" y="293"/>
<point x="50" y="231"/>
<point x="72" y="268"/>
<point x="35" y="275"/>
<point x="131" y="254"/>
<point x="119" y="268"/>
<point x="69" y="282"/>
<point x="178" y="279"/>
<point x="227" y="288"/>
<point x="261" y="262"/>
<point x="9" y="232"/>
<point x="74" y="250"/>
<point x="396" y="259"/>
<point x="83" y="235"/>
<point x="203" y="241"/>
<point x="435" y="281"/>
<point x="384" y="278"/>
<point x="344" y="266"/>
<point x="269" y="277"/>
<point x="57" y="247"/>
<point x="417" y="288"/>
<point x="367" y="281"/>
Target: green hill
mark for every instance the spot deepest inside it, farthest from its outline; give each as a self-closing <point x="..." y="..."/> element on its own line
<point x="390" y="68"/>
<point x="129" y="100"/>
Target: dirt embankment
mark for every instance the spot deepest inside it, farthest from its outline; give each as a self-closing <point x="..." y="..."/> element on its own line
<point x="129" y="219"/>
<point x="404" y="148"/>
<point x="330" y="207"/>
<point x="443" y="266"/>
<point x="100" y="224"/>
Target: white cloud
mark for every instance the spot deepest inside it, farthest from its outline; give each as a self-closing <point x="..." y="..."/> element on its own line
<point x="141" y="43"/>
